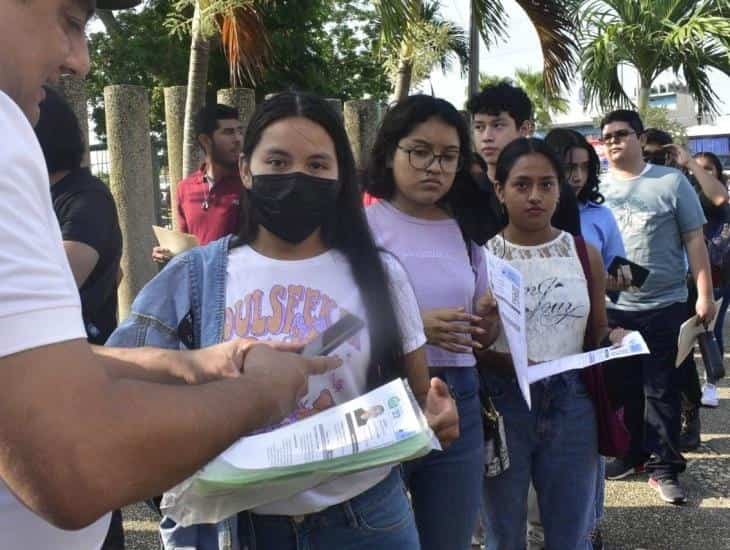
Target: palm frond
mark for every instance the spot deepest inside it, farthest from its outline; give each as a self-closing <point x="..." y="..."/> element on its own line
<point x="556" y="29"/>
<point x="245" y="42"/>
<point x="394" y="16"/>
<point x="491" y="20"/>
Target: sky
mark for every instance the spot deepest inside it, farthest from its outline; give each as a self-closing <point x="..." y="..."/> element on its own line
<point x="522" y="50"/>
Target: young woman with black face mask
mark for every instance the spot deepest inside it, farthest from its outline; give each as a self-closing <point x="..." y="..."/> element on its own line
<point x="429" y="217"/>
<point x="303" y="259"/>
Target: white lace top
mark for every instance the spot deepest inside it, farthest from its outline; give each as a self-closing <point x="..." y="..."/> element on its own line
<point x="556" y="296"/>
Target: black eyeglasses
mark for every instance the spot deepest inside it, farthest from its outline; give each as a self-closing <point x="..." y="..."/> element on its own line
<point x="421" y="159"/>
<point x="618" y="135"/>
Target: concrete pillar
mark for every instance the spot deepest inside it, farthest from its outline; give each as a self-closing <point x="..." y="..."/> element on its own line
<point x="175" y="127"/>
<point x="74" y="92"/>
<point x="130" y="179"/>
<point x="243" y="99"/>
<point x="335" y="103"/>
<point x="361" y="123"/>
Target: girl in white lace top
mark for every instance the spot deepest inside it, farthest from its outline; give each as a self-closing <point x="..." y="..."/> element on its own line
<point x="554" y="443"/>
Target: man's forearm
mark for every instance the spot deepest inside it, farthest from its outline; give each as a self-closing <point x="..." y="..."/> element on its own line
<point x="75" y="443"/>
<point x="151" y="364"/>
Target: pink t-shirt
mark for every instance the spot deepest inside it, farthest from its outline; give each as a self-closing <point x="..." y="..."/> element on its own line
<point x="435" y="257"/>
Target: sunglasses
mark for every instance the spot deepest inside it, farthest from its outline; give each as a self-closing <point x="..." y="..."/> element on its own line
<point x="618" y="135"/>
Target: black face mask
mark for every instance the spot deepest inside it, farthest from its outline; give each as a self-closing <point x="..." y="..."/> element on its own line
<point x="292" y="206"/>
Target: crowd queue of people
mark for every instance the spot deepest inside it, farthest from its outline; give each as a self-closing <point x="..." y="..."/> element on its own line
<point x="208" y="352"/>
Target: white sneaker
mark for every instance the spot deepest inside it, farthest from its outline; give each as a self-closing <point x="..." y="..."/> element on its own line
<point x="709" y="396"/>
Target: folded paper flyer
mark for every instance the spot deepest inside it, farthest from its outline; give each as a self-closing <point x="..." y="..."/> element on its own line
<point x="384" y="426"/>
<point x="175" y="241"/>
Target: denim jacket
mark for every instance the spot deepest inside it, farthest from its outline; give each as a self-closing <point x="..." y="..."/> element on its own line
<point x="184" y="307"/>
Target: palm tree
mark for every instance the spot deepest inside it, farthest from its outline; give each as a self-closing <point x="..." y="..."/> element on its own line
<point x="556" y="27"/>
<point x="653" y="36"/>
<point x="533" y="83"/>
<point x="553" y="21"/>
<point x="544" y="102"/>
<point x="244" y="40"/>
<point x="425" y="41"/>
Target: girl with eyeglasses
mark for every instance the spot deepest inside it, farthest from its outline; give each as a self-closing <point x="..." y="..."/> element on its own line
<point x="429" y="216"/>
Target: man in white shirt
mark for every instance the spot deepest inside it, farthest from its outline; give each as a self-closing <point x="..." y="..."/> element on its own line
<point x="58" y="395"/>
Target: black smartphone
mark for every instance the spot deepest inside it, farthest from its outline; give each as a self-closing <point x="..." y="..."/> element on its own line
<point x="638" y="272"/>
<point x="334" y="336"/>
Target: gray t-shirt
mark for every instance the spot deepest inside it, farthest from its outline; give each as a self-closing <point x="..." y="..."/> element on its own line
<point x="653" y="211"/>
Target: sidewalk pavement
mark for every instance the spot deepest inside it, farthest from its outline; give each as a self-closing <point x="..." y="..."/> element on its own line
<point x="635" y="519"/>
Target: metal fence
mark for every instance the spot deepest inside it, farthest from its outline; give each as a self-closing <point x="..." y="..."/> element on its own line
<point x="100" y="167"/>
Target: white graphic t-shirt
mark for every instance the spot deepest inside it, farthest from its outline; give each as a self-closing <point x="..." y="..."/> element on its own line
<point x="556" y="296"/>
<point x="293" y="301"/>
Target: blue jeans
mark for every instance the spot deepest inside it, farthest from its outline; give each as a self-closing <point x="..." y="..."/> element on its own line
<point x="600" y="489"/>
<point x="379" y="518"/>
<point x="556" y="445"/>
<point x="204" y="536"/>
<point x="445" y="486"/>
<point x="723" y="293"/>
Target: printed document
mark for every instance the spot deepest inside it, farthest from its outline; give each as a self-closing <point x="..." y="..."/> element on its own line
<point x="632" y="344"/>
<point x="384" y="426"/>
<point x="508" y="289"/>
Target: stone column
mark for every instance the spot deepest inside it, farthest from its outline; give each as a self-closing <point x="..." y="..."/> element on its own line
<point x="335" y="103"/>
<point x="74" y="92"/>
<point x="175" y="126"/>
<point x="130" y="179"/>
<point x="243" y="99"/>
<point x="361" y="123"/>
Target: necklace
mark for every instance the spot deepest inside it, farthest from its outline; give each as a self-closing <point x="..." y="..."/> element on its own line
<point x="208" y="185"/>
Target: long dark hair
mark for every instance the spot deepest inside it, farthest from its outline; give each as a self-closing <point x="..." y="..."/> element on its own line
<point x="347" y="230"/>
<point x="562" y="141"/>
<point x="716" y="162"/>
<point x="464" y="198"/>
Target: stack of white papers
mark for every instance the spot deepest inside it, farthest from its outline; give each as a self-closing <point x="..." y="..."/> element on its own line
<point x="385" y="426"/>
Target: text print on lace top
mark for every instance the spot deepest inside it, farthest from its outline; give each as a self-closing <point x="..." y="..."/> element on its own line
<point x="556" y="296"/>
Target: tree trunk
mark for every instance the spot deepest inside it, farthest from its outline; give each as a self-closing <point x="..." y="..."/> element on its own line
<point x="403" y="81"/>
<point x="643" y="100"/>
<point x="473" y="53"/>
<point x="197" y="83"/>
<point x="405" y="63"/>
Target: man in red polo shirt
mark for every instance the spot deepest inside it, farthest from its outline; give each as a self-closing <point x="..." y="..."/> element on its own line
<point x="208" y="200"/>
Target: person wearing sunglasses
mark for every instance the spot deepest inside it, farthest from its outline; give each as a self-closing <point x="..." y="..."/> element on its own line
<point x="659" y="149"/>
<point x="660" y="219"/>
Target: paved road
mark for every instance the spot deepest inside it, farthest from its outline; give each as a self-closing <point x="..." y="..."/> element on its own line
<point x="635" y="517"/>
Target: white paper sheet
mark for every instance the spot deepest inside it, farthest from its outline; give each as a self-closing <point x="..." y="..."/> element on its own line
<point x="632" y="344"/>
<point x="378" y="419"/>
<point x="175" y="241"/>
<point x="688" y="334"/>
<point x="507" y="287"/>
